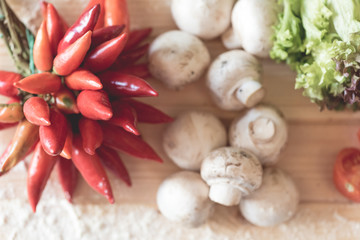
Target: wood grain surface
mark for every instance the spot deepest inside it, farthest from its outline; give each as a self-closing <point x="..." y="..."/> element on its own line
<point x="315" y="138"/>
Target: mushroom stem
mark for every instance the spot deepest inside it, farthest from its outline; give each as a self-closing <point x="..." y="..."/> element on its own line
<point x="224" y="194"/>
<point x="250" y="92"/>
<point x="262" y="129"/>
<point x="230" y="39"/>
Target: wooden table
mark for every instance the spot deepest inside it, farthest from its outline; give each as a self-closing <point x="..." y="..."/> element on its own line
<point x="315" y="138"/>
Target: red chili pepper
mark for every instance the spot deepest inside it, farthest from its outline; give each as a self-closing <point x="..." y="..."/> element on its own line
<point x="91" y="134"/>
<point x="7" y="80"/>
<point x="127" y="142"/>
<point x="148" y="114"/>
<point x="40" y="168"/>
<point x="65" y="101"/>
<point x="37" y="111"/>
<point x="53" y="137"/>
<point x="11" y="113"/>
<point x="13" y="100"/>
<point x="112" y="160"/>
<point x="25" y="137"/>
<point x="94" y="105"/>
<point x="82" y="79"/>
<point x="40" y="83"/>
<point x="119" y="84"/>
<point x="54" y="26"/>
<point x="100" y="21"/>
<point x="85" y="23"/>
<point x="136" y="37"/>
<point x="91" y="169"/>
<point x="66" y="152"/>
<point x="68" y="177"/>
<point x="4" y="126"/>
<point x="124" y="116"/>
<point x="102" y="35"/>
<point x="71" y="58"/>
<point x="132" y="56"/>
<point x="139" y="70"/>
<point x="116" y="13"/>
<point x="104" y="55"/>
<point x="42" y="50"/>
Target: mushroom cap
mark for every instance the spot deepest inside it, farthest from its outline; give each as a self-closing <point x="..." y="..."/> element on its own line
<point x="246" y="132"/>
<point x="183" y="197"/>
<point x="274" y="202"/>
<point x="206" y="19"/>
<point x="191" y="137"/>
<point x="233" y="166"/>
<point x="226" y="75"/>
<point x="253" y="22"/>
<point x="177" y="58"/>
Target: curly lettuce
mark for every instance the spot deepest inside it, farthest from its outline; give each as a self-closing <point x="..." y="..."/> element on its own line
<point x="320" y="39"/>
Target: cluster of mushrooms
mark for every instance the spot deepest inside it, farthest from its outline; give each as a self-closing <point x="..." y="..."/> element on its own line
<point x="219" y="167"/>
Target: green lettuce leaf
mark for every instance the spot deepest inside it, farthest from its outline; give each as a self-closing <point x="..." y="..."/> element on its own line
<point x="320" y="39"/>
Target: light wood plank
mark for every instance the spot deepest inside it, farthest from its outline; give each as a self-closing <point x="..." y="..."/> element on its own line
<point x="314" y="141"/>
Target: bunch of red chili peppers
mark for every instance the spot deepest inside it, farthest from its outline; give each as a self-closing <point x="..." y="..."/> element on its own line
<point x="78" y="106"/>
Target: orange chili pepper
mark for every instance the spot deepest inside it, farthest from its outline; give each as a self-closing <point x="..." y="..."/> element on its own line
<point x="91" y="169"/>
<point x="39" y="171"/>
<point x="104" y="55"/>
<point x="82" y="79"/>
<point x="68" y="177"/>
<point x="37" y="111"/>
<point x="55" y="27"/>
<point x="43" y="7"/>
<point x="25" y="137"/>
<point x="116" y="13"/>
<point x="70" y="59"/>
<point x="91" y="134"/>
<point x="40" y="83"/>
<point x="11" y="113"/>
<point x="53" y="137"/>
<point x="65" y="101"/>
<point x="112" y="160"/>
<point x="66" y="152"/>
<point x="44" y="12"/>
<point x="100" y="105"/>
<point x="42" y="50"/>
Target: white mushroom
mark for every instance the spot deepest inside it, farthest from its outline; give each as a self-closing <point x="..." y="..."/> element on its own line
<point x="191" y="137"/>
<point x="262" y="130"/>
<point x="183" y="198"/>
<point x="234" y="80"/>
<point x="231" y="174"/>
<point x="177" y="58"/>
<point x="274" y="202"/>
<point x="206" y="19"/>
<point x="230" y="39"/>
<point x="252" y="22"/>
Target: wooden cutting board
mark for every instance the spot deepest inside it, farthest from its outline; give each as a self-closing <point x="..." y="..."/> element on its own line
<point x="315" y="138"/>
